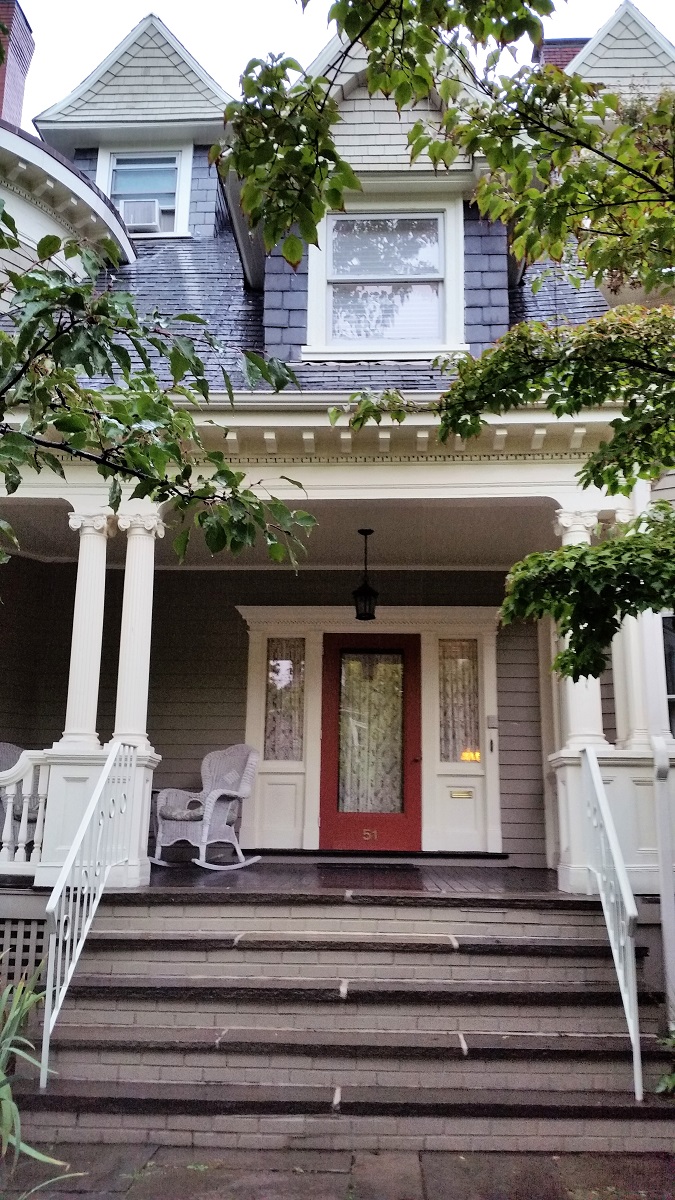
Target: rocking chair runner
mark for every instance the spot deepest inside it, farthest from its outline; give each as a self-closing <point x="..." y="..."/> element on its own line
<point x="210" y="815"/>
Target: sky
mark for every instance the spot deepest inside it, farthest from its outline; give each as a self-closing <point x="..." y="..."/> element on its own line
<point x="73" y="36"/>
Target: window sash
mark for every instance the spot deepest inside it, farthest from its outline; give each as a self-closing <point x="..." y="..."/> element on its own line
<point x="355" y="276"/>
<point x="459" y="700"/>
<point x="163" y="166"/>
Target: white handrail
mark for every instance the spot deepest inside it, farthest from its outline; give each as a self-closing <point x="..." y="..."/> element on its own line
<point x="100" y="844"/>
<point x="618" y="903"/>
<point x="664" y="835"/>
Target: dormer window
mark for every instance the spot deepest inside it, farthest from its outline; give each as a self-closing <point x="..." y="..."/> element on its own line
<point x="385" y="279"/>
<point x="387" y="283"/>
<point x="144" y="188"/>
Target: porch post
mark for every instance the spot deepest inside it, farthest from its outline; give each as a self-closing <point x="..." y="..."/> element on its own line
<point x="133" y="678"/>
<point x="85" y="648"/>
<point x="583" y="703"/>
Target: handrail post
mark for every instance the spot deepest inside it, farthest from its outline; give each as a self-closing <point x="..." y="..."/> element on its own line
<point x="664" y="834"/>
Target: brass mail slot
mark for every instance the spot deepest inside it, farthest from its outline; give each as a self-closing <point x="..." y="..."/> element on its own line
<point x="461" y="794"/>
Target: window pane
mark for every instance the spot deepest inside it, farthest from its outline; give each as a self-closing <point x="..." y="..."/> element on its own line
<point x="386" y="247"/>
<point x="285" y="707"/>
<point x="371" y="732"/>
<point x="408" y="312"/>
<point x="144" y="183"/>
<point x="458" y="686"/>
<point x="669" y="648"/>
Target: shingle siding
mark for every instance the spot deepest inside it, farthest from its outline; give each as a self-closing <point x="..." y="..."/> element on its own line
<point x="486" y="282"/>
<point x="86" y="161"/>
<point x="203" y="195"/>
<point x="520" y="754"/>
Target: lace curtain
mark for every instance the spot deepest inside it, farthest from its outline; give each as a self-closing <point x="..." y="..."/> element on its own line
<point x="285" y="706"/>
<point x="371" y="733"/>
<point x="459" y="716"/>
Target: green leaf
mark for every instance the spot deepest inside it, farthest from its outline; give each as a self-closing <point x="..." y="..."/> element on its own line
<point x="180" y="544"/>
<point x="115" y="495"/>
<point x="49" y="245"/>
<point x="293" y="250"/>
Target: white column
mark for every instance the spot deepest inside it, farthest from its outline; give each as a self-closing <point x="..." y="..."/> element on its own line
<point x="133" y="676"/>
<point x="583" y="701"/>
<point x="85" y="648"/>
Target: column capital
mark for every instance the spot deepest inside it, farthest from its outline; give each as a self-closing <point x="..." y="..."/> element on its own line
<point x="575" y="524"/>
<point x="150" y="523"/>
<point x="92" y="523"/>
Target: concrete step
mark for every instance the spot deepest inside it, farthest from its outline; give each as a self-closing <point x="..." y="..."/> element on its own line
<point x="375" y="1057"/>
<point x="350" y="1118"/>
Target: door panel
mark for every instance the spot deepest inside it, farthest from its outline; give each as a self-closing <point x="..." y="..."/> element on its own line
<point x="371" y="743"/>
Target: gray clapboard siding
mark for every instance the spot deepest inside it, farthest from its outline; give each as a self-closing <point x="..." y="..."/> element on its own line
<point x="520" y="755"/>
<point x="608" y="704"/>
<point x="664" y="488"/>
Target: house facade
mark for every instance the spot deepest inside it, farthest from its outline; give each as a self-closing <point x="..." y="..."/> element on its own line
<point x="431" y="729"/>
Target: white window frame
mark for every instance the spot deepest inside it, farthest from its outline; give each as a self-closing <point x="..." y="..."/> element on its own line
<point x="670" y="696"/>
<point x="319" y="345"/>
<point x="106" y="164"/>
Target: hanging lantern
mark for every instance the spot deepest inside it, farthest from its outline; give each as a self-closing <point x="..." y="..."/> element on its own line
<point x="365" y="596"/>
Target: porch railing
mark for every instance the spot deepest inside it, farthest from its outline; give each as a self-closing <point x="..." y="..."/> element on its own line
<point x="608" y="869"/>
<point x="23" y="796"/>
<point x="100" y="844"/>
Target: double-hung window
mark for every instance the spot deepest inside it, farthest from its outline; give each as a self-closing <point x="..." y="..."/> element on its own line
<point x="385" y="280"/>
<point x="144" y="188"/>
<point x="669" y="649"/>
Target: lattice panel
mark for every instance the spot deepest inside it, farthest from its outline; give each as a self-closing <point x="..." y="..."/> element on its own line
<point x="23" y="946"/>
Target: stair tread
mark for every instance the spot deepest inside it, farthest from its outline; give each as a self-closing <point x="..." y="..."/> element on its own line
<point x="270" y="986"/>
<point x="369" y="1042"/>
<point x="87" y="1096"/>
<point x="207" y="895"/>
<point x="451" y="943"/>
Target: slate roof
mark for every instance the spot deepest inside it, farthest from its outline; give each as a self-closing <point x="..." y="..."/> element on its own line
<point x="556" y="300"/>
<point x="203" y="276"/>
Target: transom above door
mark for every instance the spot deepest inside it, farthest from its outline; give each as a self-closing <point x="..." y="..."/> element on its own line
<point x="371" y="748"/>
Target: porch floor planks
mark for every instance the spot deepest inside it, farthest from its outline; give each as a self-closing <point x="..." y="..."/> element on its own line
<point x="313" y="876"/>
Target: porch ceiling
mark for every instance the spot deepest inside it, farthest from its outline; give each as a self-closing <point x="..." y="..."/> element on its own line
<point x="408" y="533"/>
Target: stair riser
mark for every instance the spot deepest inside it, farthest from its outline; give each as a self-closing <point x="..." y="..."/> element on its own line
<point x="221" y="965"/>
<point x="440" y="920"/>
<point x="430" y="1018"/>
<point x="341" y="1132"/>
<point x="339" y="1071"/>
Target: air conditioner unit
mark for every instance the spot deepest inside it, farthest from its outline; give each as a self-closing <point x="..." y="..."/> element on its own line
<point x="141" y="216"/>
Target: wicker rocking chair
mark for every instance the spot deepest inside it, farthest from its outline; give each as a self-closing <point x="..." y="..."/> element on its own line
<point x="211" y="815"/>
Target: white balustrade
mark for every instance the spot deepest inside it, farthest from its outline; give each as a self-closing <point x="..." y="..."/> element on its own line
<point x="101" y="843"/>
<point x="608" y="871"/>
<point x="23" y="796"/>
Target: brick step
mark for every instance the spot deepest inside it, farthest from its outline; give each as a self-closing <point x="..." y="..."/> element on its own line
<point x="242" y="941"/>
<point x="556" y="961"/>
<point x="371" y="913"/>
<point x="368" y="1057"/>
<point x="207" y="1101"/>
<point x="484" y="1012"/>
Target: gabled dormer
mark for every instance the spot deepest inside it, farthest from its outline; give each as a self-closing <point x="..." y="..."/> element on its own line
<point x="628" y="54"/>
<point x="140" y="126"/>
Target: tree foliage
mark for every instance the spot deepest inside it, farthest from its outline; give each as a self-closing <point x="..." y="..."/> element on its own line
<point x="80" y="380"/>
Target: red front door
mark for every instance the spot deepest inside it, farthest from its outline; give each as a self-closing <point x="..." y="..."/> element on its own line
<point x="371" y="743"/>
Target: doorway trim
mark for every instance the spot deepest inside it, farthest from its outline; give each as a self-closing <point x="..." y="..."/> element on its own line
<point x="284" y="811"/>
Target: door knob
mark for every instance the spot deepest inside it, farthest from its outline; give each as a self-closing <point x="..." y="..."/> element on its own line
<point x="416" y="759"/>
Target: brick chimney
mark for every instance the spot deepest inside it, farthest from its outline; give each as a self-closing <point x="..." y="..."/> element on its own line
<point x="18" y="46"/>
<point x="559" y="51"/>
